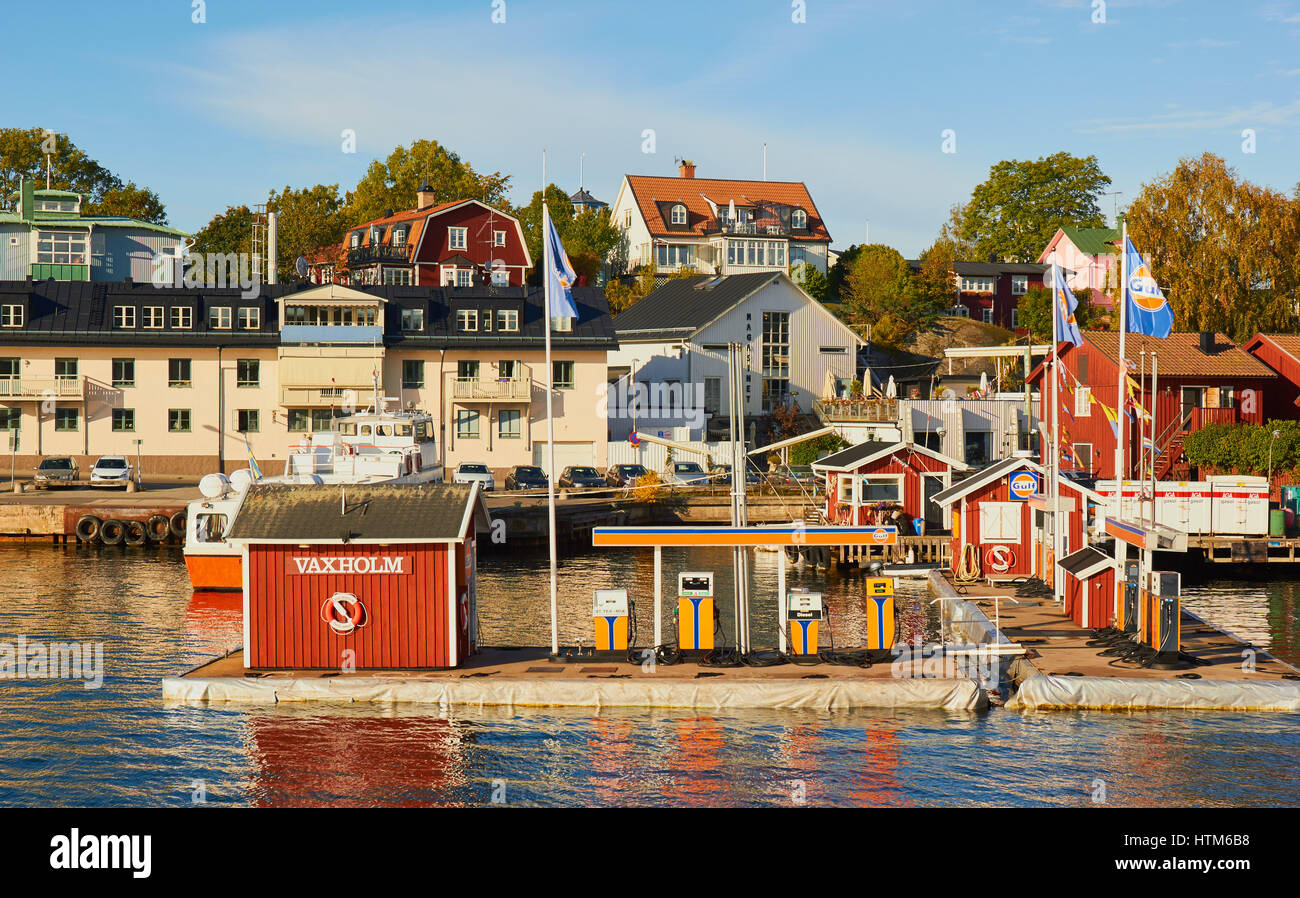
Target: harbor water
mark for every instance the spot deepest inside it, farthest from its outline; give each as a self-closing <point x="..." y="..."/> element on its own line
<point x="64" y="744"/>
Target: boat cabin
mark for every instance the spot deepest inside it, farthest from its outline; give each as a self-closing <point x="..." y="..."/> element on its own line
<point x="370" y="446"/>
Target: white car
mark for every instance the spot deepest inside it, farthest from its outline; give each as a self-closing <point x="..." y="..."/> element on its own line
<point x="111" y="470"/>
<point x="686" y="473"/>
<point x="472" y="473"/>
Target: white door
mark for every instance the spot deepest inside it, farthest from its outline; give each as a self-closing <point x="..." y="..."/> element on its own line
<point x="566" y="454"/>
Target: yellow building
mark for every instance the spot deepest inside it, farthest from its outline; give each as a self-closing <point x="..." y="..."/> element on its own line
<point x="186" y="377"/>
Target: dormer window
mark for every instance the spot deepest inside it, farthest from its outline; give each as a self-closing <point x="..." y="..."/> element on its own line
<point x="376" y="234"/>
<point x="356" y="240"/>
<point x="456" y="238"/>
<point x="467" y="320"/>
<point x="799" y="220"/>
<point x="399" y="237"/>
<point x="11" y="316"/>
<point x="679" y="214"/>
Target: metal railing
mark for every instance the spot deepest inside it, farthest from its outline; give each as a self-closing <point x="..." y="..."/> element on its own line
<point x="874" y="410"/>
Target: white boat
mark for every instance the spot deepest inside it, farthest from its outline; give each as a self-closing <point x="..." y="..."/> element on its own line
<point x="374" y="446"/>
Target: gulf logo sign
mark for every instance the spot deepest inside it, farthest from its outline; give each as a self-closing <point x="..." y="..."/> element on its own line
<point x="1023" y="485"/>
<point x="1145" y="291"/>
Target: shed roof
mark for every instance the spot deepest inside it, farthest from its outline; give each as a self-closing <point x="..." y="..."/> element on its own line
<point x="1086" y="563"/>
<point x="424" y="512"/>
<point x="867" y="452"/>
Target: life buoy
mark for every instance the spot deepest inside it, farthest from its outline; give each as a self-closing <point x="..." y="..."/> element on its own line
<point x="464" y="612"/>
<point x="343" y="612"/>
<point x="1000" y="558"/>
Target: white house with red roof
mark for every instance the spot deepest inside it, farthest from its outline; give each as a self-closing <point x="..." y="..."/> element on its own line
<point x="462" y="243"/>
<point x="719" y="226"/>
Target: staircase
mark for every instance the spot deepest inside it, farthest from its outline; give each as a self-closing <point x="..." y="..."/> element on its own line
<point x="1171" y="463"/>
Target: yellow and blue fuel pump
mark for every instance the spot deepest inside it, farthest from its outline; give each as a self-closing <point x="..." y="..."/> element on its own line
<point x="695" y="611"/>
<point x="1127" y="619"/>
<point x="880" y="616"/>
<point x="1165" y="619"/>
<point x="803" y="616"/>
<point x="610" y="615"/>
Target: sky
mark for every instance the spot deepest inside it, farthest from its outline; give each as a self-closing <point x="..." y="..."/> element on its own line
<point x="890" y="112"/>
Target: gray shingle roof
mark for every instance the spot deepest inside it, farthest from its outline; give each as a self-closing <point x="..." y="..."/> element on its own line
<point x="684" y="305"/>
<point x="846" y="457"/>
<point x="425" y="511"/>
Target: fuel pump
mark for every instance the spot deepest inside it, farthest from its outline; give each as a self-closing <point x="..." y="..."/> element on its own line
<point x="803" y="616"/>
<point x="610" y="616"/>
<point x="1166" y="619"/>
<point x="1128" y="617"/>
<point x="695" y="614"/>
<point x="881" y="626"/>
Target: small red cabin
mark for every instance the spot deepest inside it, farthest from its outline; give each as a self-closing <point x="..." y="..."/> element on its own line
<point x="360" y="577"/>
<point x="1089" y="587"/>
<point x="867" y="483"/>
<point x="999" y="518"/>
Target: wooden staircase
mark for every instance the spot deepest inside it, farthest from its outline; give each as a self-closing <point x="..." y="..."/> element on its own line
<point x="1171" y="462"/>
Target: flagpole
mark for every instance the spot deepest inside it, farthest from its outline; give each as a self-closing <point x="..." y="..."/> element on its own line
<point x="550" y="423"/>
<point x="1123" y="365"/>
<point x="1057" y="591"/>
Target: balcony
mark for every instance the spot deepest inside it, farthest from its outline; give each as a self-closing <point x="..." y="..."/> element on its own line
<point x="505" y="389"/>
<point x="306" y="397"/>
<point x="38" y="388"/>
<point x="873" y="411"/>
<point x="364" y="255"/>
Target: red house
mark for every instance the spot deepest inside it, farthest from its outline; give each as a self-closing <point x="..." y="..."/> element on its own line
<point x="461" y="243"/>
<point x="1203" y="378"/>
<point x="359" y="577"/>
<point x="998" y="519"/>
<point x="991" y="291"/>
<point x="1281" y="353"/>
<point x="867" y="483"/>
<point x="1089" y="587"/>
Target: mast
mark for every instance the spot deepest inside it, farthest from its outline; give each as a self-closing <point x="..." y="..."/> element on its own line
<point x="1057" y="587"/>
<point x="1121" y="386"/>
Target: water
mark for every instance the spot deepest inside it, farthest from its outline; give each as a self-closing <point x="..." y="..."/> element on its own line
<point x="61" y="744"/>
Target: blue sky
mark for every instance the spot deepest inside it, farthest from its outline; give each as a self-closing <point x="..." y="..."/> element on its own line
<point x="854" y="101"/>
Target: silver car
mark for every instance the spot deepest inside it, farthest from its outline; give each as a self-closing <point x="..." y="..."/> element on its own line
<point x="57" y="470"/>
<point x="686" y="473"/>
<point x="111" y="470"/>
<point x="475" y="473"/>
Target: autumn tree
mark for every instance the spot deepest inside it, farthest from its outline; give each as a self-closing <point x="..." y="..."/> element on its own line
<point x="23" y="154"/>
<point x="936" y="280"/>
<point x="228" y="232"/>
<point x="837" y="276"/>
<point x="1224" y="251"/>
<point x="1034" y="312"/>
<point x="882" y="295"/>
<point x="1014" y="213"/>
<point x="588" y="236"/>
<point x="813" y="282"/>
<point x="392" y="184"/>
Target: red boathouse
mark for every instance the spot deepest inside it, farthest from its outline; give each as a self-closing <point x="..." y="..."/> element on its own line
<point x="359" y="577"/>
<point x="867" y="483"/>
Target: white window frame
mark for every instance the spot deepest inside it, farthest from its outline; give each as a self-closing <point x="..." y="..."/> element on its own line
<point x="799" y="219"/>
<point x="1082" y="401"/>
<point x="467" y="319"/>
<point x="182" y="317"/>
<point x="508" y="320"/>
<point x="250" y="318"/>
<point x="65" y="247"/>
<point x="1000" y="522"/>
<point x="498" y="238"/>
<point x="978" y="284"/>
<point x="674" y="214"/>
<point x="1077" y="447"/>
<point x="123" y="317"/>
<point x="152" y="317"/>
<point x="986" y="315"/>
<point x="1019" y="284"/>
<point x="11" y="316"/>
<point x="863" y="479"/>
<point x="457" y="238"/>
<point x="1015" y="318"/>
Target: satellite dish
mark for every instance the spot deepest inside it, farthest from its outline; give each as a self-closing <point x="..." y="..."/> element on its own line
<point x="301" y="266"/>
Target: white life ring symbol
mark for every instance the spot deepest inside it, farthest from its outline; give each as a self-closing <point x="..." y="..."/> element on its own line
<point x="1000" y="558"/>
<point x="464" y="612"/>
<point x="343" y="612"/>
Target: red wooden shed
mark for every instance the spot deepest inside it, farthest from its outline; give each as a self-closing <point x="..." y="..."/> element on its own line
<point x="1089" y="587"/>
<point x="867" y="482"/>
<point x="364" y="576"/>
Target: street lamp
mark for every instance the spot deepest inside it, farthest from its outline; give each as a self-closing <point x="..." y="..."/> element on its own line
<point x="1276" y="434"/>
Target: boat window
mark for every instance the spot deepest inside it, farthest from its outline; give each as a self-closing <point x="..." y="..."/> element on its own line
<point x="348" y="429"/>
<point x="422" y="431"/>
<point x="403" y="430"/>
<point x="383" y="430"/>
<point x="210" y="528"/>
<point x="365" y="430"/>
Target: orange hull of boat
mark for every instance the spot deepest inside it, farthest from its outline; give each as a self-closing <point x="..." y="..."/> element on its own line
<point x="215" y="572"/>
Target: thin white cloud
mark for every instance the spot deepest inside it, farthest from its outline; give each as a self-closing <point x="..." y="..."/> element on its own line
<point x="1255" y="115"/>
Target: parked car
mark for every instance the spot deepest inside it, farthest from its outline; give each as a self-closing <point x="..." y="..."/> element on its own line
<point x="685" y="473"/>
<point x="721" y="474"/>
<point x="467" y="472"/>
<point x="57" y="470"/>
<point x="526" y="477"/>
<point x="111" y="470"/>
<point x="624" y="475"/>
<point x="792" y="475"/>
<point x="580" y="476"/>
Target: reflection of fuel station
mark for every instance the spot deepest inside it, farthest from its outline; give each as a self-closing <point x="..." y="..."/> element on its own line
<point x="805" y="631"/>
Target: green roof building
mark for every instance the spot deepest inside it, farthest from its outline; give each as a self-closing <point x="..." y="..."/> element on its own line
<point x="45" y="235"/>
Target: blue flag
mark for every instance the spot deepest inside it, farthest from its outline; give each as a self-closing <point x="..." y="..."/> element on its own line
<point x="1145" y="305"/>
<point x="1066" y="327"/>
<point x="560" y="276"/>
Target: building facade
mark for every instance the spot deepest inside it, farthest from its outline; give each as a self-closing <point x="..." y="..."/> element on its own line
<point x="44" y="234"/>
<point x="190" y="380"/>
<point x="718" y="226"/>
<point x="1090" y="257"/>
<point x="464" y="243"/>
<point x="991" y="291"/>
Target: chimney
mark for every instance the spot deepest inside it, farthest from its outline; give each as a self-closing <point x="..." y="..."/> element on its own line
<point x="272" y="247"/>
<point x="686" y="168"/>
<point x="1207" y="342"/>
<point x="424" y="195"/>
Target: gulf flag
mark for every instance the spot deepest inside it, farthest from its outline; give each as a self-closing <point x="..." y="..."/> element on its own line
<point x="1066" y="327"/>
<point x="1145" y="305"/>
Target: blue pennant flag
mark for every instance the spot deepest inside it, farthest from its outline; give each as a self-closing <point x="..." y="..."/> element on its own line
<point x="560" y="276"/>
<point x="1066" y="327"/>
<point x="1145" y="305"/>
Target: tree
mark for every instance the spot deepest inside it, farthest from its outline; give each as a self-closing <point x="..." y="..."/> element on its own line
<point x="1015" y="212"/>
<point x="810" y="279"/>
<point x="1034" y="312"/>
<point x="309" y="219"/>
<point x="951" y="232"/>
<point x="23" y="153"/>
<point x="392" y="184"/>
<point x="228" y="232"/>
<point x="837" y="276"/>
<point x="622" y="296"/>
<point x="881" y="293"/>
<point x="935" y="282"/>
<point x="1225" y="252"/>
<point x="588" y="236"/>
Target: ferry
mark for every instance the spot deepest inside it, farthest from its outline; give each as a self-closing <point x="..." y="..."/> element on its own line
<point x="375" y="446"/>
